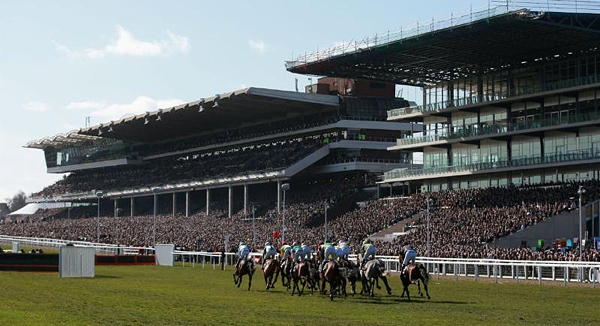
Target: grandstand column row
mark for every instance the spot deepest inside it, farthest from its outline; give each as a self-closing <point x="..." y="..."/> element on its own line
<point x="230" y="201"/>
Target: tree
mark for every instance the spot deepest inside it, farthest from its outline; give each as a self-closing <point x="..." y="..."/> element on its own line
<point x="17" y="201"/>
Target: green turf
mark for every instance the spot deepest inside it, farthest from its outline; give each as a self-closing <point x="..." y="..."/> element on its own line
<point x="151" y="295"/>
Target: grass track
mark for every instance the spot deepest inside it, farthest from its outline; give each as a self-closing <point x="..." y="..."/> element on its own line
<point x="177" y="295"/>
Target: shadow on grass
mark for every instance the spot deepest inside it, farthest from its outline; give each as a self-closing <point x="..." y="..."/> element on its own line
<point x="107" y="276"/>
<point x="395" y="300"/>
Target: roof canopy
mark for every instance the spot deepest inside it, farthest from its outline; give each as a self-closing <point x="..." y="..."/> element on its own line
<point x="61" y="140"/>
<point x="455" y="49"/>
<point x="230" y="110"/>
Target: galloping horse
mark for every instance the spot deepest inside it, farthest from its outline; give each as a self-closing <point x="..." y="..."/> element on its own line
<point x="352" y="273"/>
<point x="415" y="273"/>
<point x="286" y="272"/>
<point x="301" y="274"/>
<point x="271" y="269"/>
<point x="331" y="274"/>
<point x="244" y="267"/>
<point x="373" y="270"/>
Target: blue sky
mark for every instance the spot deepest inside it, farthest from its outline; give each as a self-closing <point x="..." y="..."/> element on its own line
<point x="61" y="61"/>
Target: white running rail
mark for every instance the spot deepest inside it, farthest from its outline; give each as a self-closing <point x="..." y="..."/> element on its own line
<point x="100" y="247"/>
<point x="516" y="270"/>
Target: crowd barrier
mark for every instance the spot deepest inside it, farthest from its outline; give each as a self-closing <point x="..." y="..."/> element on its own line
<point x="517" y="270"/>
<point x="101" y="248"/>
<point x="495" y="269"/>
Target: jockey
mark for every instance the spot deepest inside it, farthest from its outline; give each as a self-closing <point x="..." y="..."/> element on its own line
<point x="368" y="251"/>
<point x="306" y="252"/>
<point x="286" y="251"/>
<point x="329" y="254"/>
<point x="342" y="250"/>
<point x="409" y="256"/>
<point x="297" y="252"/>
<point x="269" y="251"/>
<point x="243" y="252"/>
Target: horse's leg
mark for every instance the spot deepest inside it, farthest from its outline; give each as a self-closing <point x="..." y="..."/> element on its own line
<point x="331" y="290"/>
<point x="353" y="285"/>
<point x="419" y="288"/>
<point x="372" y="286"/>
<point x="249" y="281"/>
<point x="344" y="282"/>
<point x="387" y="286"/>
<point x="275" y="281"/>
<point x="322" y="287"/>
<point x="407" y="291"/>
<point x="426" y="289"/>
<point x="366" y="287"/>
<point x="240" y="278"/>
<point x="300" y="292"/>
<point x="377" y="282"/>
<point x="266" y="281"/>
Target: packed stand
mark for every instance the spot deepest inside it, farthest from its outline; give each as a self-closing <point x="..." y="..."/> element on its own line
<point x="463" y="223"/>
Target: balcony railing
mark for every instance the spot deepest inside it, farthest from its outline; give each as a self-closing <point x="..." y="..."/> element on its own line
<point x="482" y="130"/>
<point x="580" y="155"/>
<point x="495" y="96"/>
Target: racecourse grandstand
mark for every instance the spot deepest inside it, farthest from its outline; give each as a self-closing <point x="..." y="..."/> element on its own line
<point x="232" y="142"/>
<point x="508" y="129"/>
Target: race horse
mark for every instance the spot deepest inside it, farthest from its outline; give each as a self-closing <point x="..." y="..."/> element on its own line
<point x="286" y="272"/>
<point x="415" y="273"/>
<point x="352" y="272"/>
<point x="301" y="275"/>
<point x="244" y="267"/>
<point x="372" y="271"/>
<point x="337" y="282"/>
<point x="271" y="269"/>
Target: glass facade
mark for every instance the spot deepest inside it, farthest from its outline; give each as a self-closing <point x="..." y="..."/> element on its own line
<point x="546" y="176"/>
<point x="532" y="130"/>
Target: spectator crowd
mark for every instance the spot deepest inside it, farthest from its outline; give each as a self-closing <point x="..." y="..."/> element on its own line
<point x="462" y="223"/>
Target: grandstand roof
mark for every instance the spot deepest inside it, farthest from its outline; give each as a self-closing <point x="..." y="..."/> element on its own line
<point x="457" y="48"/>
<point x="71" y="137"/>
<point x="229" y="110"/>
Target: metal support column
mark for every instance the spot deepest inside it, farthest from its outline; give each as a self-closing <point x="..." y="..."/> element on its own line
<point x="132" y="206"/>
<point x="230" y="201"/>
<point x="207" y="201"/>
<point x="187" y="203"/>
<point x="174" y="203"/>
<point x="278" y="196"/>
<point x="116" y="207"/>
<point x="245" y="199"/>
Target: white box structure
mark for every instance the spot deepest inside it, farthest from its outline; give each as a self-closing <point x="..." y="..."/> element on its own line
<point x="164" y="254"/>
<point x="16" y="247"/>
<point x="77" y="261"/>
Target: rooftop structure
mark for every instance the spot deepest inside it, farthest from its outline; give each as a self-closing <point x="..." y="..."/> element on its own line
<point x="509" y="96"/>
<point x="253" y="136"/>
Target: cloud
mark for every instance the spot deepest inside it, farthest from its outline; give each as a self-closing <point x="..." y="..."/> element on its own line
<point x="258" y="46"/>
<point x="86" y="105"/>
<point x="36" y="106"/>
<point x="139" y="105"/>
<point x="125" y="44"/>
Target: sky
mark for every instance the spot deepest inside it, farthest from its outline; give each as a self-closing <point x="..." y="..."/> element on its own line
<point x="63" y="61"/>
